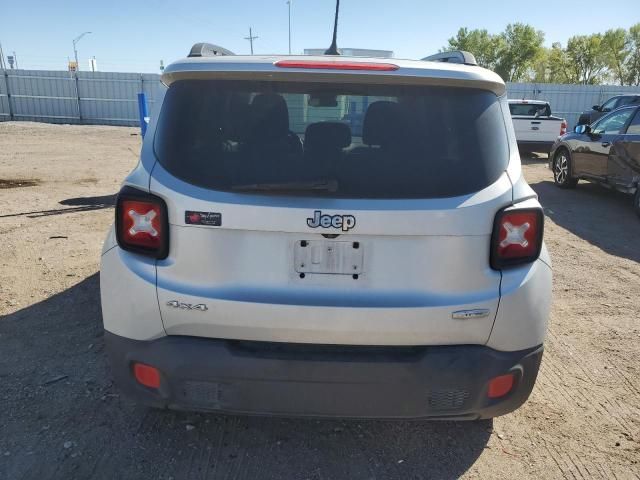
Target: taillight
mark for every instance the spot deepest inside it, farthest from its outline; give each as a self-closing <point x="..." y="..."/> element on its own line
<point x="563" y="127"/>
<point x="141" y="223"/>
<point x="517" y="237"/>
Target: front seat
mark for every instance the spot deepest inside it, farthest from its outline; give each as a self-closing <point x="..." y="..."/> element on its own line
<point x="269" y="124"/>
<point x="270" y="149"/>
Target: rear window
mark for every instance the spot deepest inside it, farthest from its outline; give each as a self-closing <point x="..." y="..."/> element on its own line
<point x="530" y="109"/>
<point x="335" y="140"/>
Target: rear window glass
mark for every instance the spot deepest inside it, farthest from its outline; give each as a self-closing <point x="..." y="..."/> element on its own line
<point x="335" y="140"/>
<point x="530" y="109"/>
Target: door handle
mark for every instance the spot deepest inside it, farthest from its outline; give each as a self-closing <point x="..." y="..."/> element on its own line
<point x="606" y="144"/>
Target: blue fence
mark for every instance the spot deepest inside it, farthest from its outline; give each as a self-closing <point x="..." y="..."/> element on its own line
<point x="110" y="98"/>
<point x="103" y="98"/>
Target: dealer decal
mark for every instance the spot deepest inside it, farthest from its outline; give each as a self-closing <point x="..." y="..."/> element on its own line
<point x="212" y="219"/>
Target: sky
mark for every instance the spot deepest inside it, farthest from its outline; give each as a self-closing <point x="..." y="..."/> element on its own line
<point x="134" y="35"/>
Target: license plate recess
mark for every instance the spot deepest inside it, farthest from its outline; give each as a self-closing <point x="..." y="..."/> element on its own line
<point x="328" y="257"/>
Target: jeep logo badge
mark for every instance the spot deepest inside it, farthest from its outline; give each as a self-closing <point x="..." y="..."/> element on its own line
<point x="345" y="222"/>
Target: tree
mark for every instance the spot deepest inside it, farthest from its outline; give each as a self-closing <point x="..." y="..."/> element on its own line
<point x="559" y="71"/>
<point x="522" y="45"/>
<point x="518" y="54"/>
<point x="484" y="46"/>
<point x="551" y="66"/>
<point x="616" y="50"/>
<point x="587" y="61"/>
<point x="633" y="60"/>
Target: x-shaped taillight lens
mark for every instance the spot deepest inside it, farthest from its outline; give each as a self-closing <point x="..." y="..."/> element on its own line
<point x="141" y="223"/>
<point x="517" y="237"/>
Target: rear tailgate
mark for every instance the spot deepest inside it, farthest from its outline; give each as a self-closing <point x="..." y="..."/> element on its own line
<point x="419" y="266"/>
<point x="541" y="129"/>
<point x="392" y="248"/>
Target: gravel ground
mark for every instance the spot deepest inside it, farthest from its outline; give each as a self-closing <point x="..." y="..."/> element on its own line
<point x="61" y="417"/>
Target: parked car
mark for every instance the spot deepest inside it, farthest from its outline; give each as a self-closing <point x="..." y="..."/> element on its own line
<point x="607" y="152"/>
<point x="590" y="116"/>
<point x="536" y="128"/>
<point x="268" y="258"/>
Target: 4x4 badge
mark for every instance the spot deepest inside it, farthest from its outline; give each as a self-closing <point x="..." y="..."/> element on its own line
<point x="187" y="306"/>
<point x="345" y="222"/>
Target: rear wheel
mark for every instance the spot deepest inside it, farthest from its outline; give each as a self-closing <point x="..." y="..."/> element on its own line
<point x="562" y="170"/>
<point x="636" y="200"/>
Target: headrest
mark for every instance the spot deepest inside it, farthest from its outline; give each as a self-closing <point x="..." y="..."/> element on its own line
<point x="382" y="123"/>
<point x="269" y="116"/>
<point x="237" y="117"/>
<point x="327" y="136"/>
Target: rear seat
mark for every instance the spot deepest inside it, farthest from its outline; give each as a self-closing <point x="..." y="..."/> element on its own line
<point x="323" y="146"/>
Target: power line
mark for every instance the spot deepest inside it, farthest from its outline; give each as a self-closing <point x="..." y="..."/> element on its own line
<point x="251" y="38"/>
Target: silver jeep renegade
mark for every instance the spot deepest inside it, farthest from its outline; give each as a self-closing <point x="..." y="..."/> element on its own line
<point x="327" y="236"/>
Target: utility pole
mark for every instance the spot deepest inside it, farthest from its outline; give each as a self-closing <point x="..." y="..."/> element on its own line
<point x="289" y="4"/>
<point x="251" y="38"/>
<point x="75" y="51"/>
<point x="2" y="64"/>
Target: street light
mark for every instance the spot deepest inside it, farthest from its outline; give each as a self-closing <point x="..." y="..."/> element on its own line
<point x="289" y="4"/>
<point x="75" y="52"/>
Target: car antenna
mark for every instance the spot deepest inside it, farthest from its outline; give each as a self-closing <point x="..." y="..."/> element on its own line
<point x="333" y="49"/>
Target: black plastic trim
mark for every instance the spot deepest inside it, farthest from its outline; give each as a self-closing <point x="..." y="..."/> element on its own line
<point x="282" y="379"/>
<point x="130" y="193"/>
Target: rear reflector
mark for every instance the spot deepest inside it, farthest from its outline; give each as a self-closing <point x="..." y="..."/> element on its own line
<point x="146" y="375"/>
<point x="517" y="237"/>
<point x="500" y="386"/>
<point x="336" y="65"/>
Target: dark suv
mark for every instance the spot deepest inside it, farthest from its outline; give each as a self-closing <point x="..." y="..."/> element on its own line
<point x="597" y="111"/>
<point x="606" y="152"/>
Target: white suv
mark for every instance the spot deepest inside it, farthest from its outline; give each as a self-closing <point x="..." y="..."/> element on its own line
<point x="328" y="236"/>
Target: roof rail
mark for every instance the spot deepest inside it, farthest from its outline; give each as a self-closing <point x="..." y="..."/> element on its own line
<point x="453" y="56"/>
<point x="208" y="50"/>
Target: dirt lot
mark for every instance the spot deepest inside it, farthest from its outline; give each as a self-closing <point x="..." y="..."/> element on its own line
<point x="61" y="417"/>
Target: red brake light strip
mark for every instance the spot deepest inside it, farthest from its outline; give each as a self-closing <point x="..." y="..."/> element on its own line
<point x="336" y="65"/>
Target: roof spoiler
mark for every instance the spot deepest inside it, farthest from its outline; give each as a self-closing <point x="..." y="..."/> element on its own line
<point x="208" y="50"/>
<point x="454" y="56"/>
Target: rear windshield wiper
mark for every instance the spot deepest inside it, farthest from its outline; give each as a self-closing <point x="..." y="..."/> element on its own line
<point x="322" y="185"/>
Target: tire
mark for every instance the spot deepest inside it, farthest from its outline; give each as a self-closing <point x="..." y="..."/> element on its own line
<point x="562" y="170"/>
<point x="636" y="200"/>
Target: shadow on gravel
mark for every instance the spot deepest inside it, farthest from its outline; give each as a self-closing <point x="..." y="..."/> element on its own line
<point x="62" y="418"/>
<point x="602" y="217"/>
<point x="534" y="158"/>
<point x="104" y="201"/>
<point x="79" y="204"/>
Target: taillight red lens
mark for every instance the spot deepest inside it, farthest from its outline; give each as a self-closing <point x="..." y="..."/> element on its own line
<point x="141" y="223"/>
<point x="517" y="237"/>
<point x="336" y="65"/>
<point x="563" y="127"/>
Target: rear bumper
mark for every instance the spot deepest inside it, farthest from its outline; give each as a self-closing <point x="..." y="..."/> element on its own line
<point x="541" y="147"/>
<point x="323" y="381"/>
